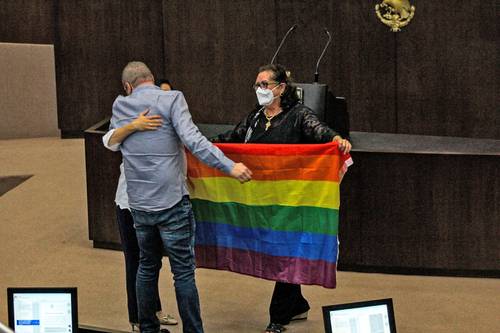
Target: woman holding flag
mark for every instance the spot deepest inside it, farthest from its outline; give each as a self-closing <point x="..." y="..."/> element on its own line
<point x="279" y="118"/>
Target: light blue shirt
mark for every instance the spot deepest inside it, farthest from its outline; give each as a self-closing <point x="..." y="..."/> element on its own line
<point x="121" y="197"/>
<point x="154" y="161"/>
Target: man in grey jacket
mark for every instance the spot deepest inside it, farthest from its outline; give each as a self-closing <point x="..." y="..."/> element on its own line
<point x="154" y="166"/>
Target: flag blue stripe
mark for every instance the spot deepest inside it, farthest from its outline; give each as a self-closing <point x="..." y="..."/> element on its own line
<point x="305" y="245"/>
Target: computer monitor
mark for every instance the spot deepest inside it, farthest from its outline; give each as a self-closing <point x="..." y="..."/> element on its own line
<point x="375" y="316"/>
<point x="43" y="310"/>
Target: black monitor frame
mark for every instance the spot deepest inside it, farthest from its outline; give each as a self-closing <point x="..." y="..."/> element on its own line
<point x="386" y="301"/>
<point x="44" y="290"/>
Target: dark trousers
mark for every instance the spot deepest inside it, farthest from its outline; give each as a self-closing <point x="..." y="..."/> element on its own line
<point x="131" y="252"/>
<point x="287" y="302"/>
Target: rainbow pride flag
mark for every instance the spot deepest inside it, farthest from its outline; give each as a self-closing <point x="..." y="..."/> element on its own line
<point x="280" y="226"/>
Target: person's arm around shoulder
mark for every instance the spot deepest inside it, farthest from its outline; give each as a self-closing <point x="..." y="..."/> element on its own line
<point x="105" y="140"/>
<point x="142" y="123"/>
<point x="199" y="145"/>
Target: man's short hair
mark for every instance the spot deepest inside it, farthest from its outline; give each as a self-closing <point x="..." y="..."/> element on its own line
<point x="136" y="72"/>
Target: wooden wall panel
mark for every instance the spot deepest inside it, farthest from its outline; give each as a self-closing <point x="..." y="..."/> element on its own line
<point x="214" y="49"/>
<point x="448" y="74"/>
<point x="230" y="41"/>
<point x="27" y="21"/>
<point x="439" y="76"/>
<point x="95" y="41"/>
<point x="357" y="64"/>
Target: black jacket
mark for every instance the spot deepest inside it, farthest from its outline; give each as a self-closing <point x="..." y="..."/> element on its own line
<point x="298" y="124"/>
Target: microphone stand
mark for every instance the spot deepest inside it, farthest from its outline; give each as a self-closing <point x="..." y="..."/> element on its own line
<point x="282" y="41"/>
<point x="316" y="74"/>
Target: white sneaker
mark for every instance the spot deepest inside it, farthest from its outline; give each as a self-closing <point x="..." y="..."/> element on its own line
<point x="166" y="319"/>
<point x="135" y="327"/>
<point x="300" y="316"/>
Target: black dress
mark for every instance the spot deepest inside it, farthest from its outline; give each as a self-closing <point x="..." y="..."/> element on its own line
<point x="297" y="124"/>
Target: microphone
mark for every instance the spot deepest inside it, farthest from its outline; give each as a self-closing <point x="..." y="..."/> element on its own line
<point x="282" y="41"/>
<point x="316" y="74"/>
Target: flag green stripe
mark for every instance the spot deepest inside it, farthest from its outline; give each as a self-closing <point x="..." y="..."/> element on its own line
<point x="279" y="218"/>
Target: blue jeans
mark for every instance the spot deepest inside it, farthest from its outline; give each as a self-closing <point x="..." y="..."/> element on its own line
<point x="172" y="231"/>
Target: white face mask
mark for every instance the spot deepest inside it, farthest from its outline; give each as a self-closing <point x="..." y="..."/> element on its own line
<point x="265" y="96"/>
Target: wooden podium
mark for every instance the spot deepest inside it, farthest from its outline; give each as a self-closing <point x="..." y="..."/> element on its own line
<point x="103" y="170"/>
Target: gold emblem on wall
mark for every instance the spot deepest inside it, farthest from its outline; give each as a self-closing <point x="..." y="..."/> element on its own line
<point x="395" y="13"/>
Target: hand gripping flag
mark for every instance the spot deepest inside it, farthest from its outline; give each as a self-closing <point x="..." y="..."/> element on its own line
<point x="280" y="226"/>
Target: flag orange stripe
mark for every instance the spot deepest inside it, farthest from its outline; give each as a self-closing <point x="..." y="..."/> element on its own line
<point x="265" y="167"/>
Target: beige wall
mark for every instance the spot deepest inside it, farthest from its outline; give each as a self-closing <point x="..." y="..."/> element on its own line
<point x="28" y="105"/>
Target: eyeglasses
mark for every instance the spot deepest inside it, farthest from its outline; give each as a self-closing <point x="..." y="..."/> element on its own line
<point x="263" y="84"/>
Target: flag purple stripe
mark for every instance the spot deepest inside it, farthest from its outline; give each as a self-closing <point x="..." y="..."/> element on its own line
<point x="285" y="269"/>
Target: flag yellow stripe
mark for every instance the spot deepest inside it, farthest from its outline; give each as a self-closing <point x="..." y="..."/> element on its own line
<point x="324" y="194"/>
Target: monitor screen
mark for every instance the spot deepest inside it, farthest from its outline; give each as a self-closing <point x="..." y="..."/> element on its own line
<point x="361" y="317"/>
<point x="42" y="310"/>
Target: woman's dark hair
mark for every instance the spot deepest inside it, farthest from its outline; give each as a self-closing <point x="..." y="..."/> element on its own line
<point x="280" y="74"/>
<point x="164" y="81"/>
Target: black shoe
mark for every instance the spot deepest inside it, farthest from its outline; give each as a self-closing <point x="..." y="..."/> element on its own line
<point x="275" y="328"/>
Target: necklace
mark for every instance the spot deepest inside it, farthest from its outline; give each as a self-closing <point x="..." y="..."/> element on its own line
<point x="268" y="124"/>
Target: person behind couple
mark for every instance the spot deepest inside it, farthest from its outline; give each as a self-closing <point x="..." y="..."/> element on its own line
<point x="128" y="238"/>
<point x="157" y="193"/>
<point x="280" y="118"/>
<point x="164" y="84"/>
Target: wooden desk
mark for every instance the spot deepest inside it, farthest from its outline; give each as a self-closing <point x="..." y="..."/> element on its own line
<point x="421" y="205"/>
<point x="410" y="204"/>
